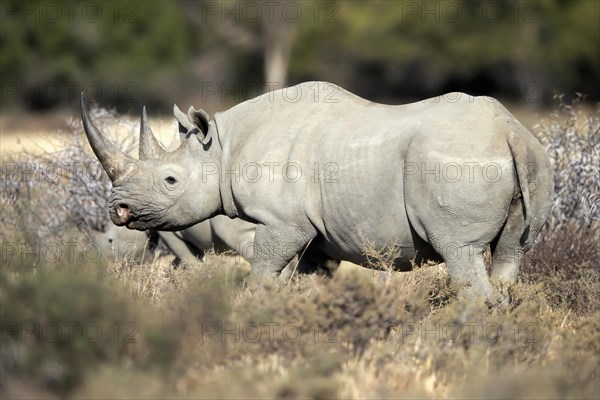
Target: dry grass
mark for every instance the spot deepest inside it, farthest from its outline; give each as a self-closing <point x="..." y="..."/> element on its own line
<point x="202" y="333"/>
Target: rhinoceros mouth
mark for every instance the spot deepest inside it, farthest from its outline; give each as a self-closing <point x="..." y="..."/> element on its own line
<point x="131" y="224"/>
<point x="140" y="222"/>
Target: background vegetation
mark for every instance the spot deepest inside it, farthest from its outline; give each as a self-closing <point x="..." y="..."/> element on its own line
<point x="152" y="52"/>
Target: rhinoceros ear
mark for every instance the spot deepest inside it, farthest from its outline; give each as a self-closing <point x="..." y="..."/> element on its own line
<point x="199" y="118"/>
<point x="195" y="122"/>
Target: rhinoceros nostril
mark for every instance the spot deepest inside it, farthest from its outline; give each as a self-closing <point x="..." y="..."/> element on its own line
<point x="123" y="211"/>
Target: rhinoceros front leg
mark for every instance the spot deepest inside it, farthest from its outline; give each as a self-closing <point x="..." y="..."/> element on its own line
<point x="275" y="246"/>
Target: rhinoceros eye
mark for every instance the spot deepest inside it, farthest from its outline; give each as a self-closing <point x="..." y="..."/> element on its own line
<point x="170" y="180"/>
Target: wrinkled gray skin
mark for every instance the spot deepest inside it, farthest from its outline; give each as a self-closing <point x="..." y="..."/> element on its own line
<point x="442" y="177"/>
<point x="188" y="245"/>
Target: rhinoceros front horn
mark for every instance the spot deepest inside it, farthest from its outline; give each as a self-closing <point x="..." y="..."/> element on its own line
<point x="110" y="156"/>
<point x="150" y="149"/>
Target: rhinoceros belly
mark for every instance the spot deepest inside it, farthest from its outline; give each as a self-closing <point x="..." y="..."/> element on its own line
<point x="363" y="205"/>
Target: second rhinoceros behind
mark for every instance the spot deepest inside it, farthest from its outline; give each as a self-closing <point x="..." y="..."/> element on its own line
<point x="315" y="164"/>
<point x="219" y="233"/>
<point x="189" y="245"/>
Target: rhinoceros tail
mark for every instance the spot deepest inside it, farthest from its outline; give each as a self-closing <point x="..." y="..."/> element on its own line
<point x="520" y="153"/>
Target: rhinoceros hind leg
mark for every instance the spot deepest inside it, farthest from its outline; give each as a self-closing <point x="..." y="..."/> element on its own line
<point x="507" y="250"/>
<point x="466" y="268"/>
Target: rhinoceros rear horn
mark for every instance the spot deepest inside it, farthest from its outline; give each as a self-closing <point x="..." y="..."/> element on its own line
<point x="150" y="149"/>
<point x="109" y="155"/>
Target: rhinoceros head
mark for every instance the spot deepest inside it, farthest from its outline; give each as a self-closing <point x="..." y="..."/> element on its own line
<point x="162" y="190"/>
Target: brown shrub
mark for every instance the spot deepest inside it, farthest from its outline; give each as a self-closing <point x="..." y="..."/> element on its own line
<point x="572" y="287"/>
<point x="572" y="139"/>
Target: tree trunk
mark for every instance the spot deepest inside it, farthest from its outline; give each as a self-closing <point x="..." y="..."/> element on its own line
<point x="278" y="36"/>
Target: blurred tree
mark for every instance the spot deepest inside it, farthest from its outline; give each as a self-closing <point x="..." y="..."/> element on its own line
<point x="155" y="51"/>
<point x="278" y="35"/>
<point x="119" y="52"/>
<point x="256" y="30"/>
<point x="408" y="49"/>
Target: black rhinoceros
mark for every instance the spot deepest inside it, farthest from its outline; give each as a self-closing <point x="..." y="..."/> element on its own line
<point x="315" y="164"/>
